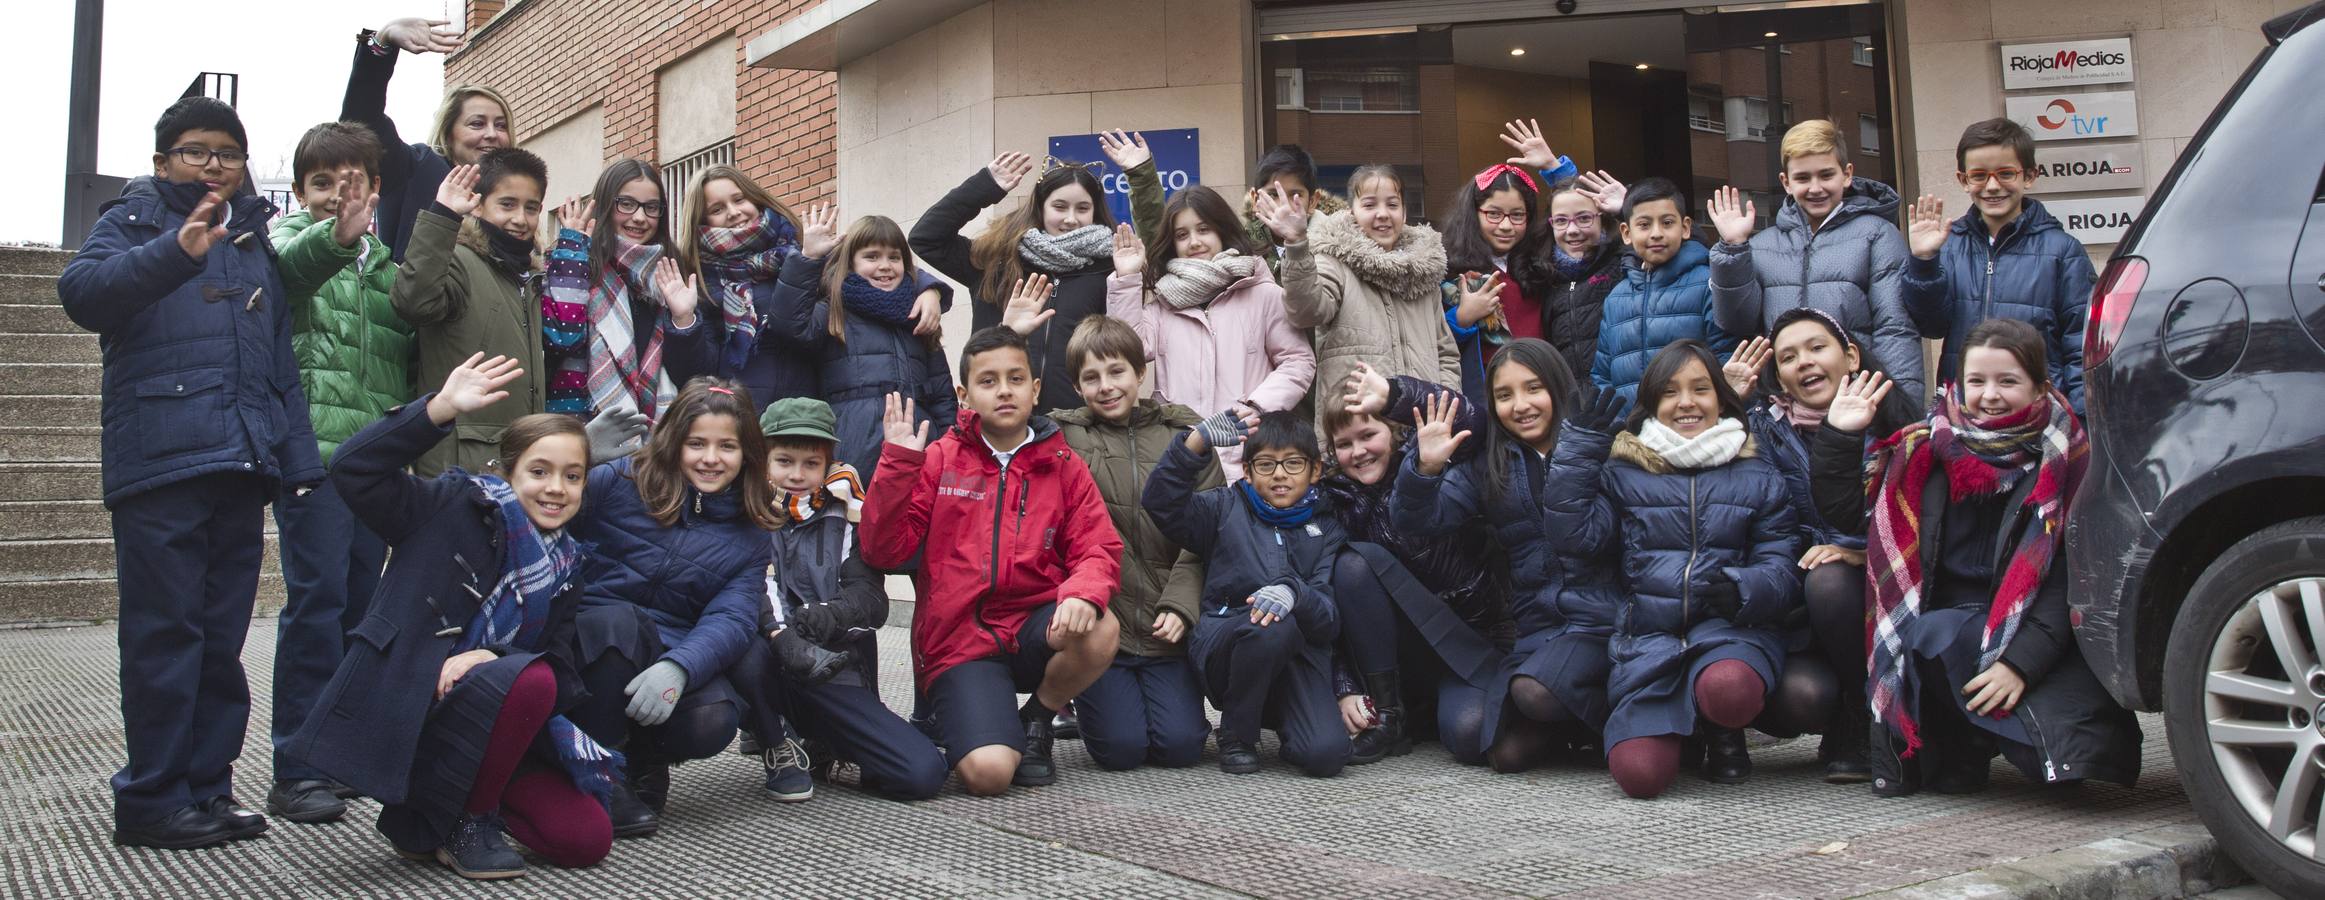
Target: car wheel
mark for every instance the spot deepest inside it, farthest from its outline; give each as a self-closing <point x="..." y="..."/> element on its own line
<point x="2244" y="703"/>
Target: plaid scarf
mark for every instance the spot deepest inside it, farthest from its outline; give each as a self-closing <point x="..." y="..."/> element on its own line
<point x="739" y="258"/>
<point x="1979" y="459"/>
<point x="621" y="375"/>
<point x="843" y="485"/>
<point x="535" y="567"/>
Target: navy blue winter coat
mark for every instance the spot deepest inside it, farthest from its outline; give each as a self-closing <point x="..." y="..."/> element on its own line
<point x="2034" y="272"/>
<point x="858" y="373"/>
<point x="199" y="376"/>
<point x="1648" y="310"/>
<point x="409" y="174"/>
<point x="701" y="581"/>
<point x="1242" y="554"/>
<point x="778" y="367"/>
<point x="1785" y="447"/>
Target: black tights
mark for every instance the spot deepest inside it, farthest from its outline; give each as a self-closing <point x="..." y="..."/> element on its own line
<point x="1536" y="728"/>
<point x="1369" y="620"/>
<point x="1836" y="616"/>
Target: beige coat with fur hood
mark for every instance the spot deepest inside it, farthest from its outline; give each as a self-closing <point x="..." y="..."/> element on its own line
<point x="1366" y="304"/>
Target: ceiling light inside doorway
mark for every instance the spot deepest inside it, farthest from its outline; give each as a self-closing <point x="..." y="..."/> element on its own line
<point x="1517" y="51"/>
<point x="1641" y="67"/>
<point x="1769" y="34"/>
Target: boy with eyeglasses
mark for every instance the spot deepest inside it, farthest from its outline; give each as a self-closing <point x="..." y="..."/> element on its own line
<point x="2006" y="257"/>
<point x="204" y="424"/>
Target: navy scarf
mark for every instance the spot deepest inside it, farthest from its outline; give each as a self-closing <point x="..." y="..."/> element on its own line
<point x="893" y="307"/>
<point x="1296" y="516"/>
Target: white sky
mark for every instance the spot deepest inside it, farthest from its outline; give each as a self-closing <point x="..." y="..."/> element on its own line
<point x="292" y="56"/>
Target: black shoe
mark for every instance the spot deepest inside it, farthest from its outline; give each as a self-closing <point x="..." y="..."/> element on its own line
<point x="189" y="828"/>
<point x="652" y="783"/>
<point x="475" y="850"/>
<point x="1726" y="758"/>
<point x="747" y="744"/>
<point x="806" y="663"/>
<point x="1387" y="736"/>
<point x="1845" y="750"/>
<point x="1236" y="757"/>
<point x="241" y="824"/>
<point x="1035" y="768"/>
<point x="342" y="791"/>
<point x="632" y="818"/>
<point x="307" y="802"/>
<point x="1067" y="726"/>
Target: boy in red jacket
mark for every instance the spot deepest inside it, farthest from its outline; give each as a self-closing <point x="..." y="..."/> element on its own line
<point x="1019" y="557"/>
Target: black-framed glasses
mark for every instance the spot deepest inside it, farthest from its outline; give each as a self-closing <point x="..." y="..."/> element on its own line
<point x="1293" y="466"/>
<point x="200" y="156"/>
<point x="630" y="206"/>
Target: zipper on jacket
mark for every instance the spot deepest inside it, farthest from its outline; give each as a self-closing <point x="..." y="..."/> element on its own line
<point x="2050" y="767"/>
<point x="1687" y="584"/>
<point x="1986" y="300"/>
<point x="993" y="563"/>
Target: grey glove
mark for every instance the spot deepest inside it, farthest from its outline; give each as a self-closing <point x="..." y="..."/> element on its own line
<point x="1275" y="600"/>
<point x="612" y="430"/>
<point x="655" y="692"/>
<point x="1223" y="430"/>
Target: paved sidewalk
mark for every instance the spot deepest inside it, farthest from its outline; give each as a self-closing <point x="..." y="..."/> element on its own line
<point x="1414" y="826"/>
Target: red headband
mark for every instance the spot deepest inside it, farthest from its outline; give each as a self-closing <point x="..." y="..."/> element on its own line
<point x="1493" y="171"/>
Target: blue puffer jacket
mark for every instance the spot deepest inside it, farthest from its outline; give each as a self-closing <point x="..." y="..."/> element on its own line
<point x="2034" y="272"/>
<point x="199" y="372"/>
<point x="1852" y="267"/>
<point x="858" y="374"/>
<point x="1786" y="448"/>
<point x="701" y="580"/>
<point x="1650" y="309"/>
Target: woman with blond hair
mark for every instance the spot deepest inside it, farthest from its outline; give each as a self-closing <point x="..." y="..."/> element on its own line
<point x="473" y="119"/>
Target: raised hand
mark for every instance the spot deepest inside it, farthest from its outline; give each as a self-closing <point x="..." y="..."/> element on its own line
<point x="1603" y="190"/>
<point x="680" y="292"/>
<point x="1525" y="139"/>
<point x="1435" y="440"/>
<point x="471" y="386"/>
<point x="1733" y="215"/>
<point x="354" y="218"/>
<point x="819" y="231"/>
<point x="901" y="426"/>
<point x="1600" y="412"/>
<point x="1366" y="393"/>
<point x="928" y="312"/>
<point x="1926" y="226"/>
<point x="1025" y="310"/>
<point x="1008" y="169"/>
<point x="1129" y="252"/>
<point x="1479" y="298"/>
<point x="199" y="233"/>
<point x="578" y="213"/>
<point x="1125" y="150"/>
<point x="1858" y="397"/>
<point x="458" y="192"/>
<point x="418" y="35"/>
<point x="1743" y="368"/>
<point x="1227" y="428"/>
<point x="1277" y="211"/>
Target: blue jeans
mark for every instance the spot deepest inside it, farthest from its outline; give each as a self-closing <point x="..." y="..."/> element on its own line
<point x="331" y="566"/>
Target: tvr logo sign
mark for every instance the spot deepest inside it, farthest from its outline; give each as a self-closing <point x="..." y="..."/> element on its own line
<point x="2064" y="117"/>
<point x="2061" y="114"/>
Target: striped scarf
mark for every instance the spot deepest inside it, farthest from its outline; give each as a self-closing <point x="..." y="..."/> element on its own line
<point x="621" y="374"/>
<point x="534" y="568"/>
<point x="842" y="484"/>
<point x="1979" y="459"/>
<point x="739" y="258"/>
<point x="565" y="324"/>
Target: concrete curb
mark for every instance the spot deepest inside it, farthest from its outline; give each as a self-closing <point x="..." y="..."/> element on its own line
<point x="2168" y="862"/>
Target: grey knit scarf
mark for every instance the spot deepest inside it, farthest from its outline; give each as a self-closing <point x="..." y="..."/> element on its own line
<point x="1073" y="251"/>
<point x="1194" y="283"/>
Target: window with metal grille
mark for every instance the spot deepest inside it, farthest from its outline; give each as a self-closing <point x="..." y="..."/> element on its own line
<point x="678" y="175"/>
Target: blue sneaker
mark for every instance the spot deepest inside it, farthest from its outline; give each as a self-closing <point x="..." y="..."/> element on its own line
<point x="788" y="777"/>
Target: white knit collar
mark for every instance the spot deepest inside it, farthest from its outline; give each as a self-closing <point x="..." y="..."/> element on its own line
<point x="1711" y="447"/>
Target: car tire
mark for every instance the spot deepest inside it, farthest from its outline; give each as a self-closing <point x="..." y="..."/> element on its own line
<point x="2236" y="720"/>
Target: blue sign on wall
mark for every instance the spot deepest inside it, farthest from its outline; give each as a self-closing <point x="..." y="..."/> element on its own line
<point x="1177" y="160"/>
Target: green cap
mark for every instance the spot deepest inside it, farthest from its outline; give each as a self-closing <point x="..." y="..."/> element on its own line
<point x="799" y="417"/>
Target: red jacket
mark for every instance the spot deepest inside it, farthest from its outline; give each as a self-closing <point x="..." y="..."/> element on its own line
<point x="999" y="545"/>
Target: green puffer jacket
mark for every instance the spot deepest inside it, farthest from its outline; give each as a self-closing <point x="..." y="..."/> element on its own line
<point x="1156" y="574"/>
<point x="354" y="352"/>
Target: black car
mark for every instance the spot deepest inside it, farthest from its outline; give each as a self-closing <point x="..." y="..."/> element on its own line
<point x="2197" y="542"/>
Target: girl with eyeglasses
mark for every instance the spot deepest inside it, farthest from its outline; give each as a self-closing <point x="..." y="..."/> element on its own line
<point x="619" y="316"/>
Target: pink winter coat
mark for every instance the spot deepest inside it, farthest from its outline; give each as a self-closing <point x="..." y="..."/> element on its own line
<point x="1238" y="348"/>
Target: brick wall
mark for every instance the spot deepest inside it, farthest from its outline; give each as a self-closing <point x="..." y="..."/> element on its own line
<point x="554" y="58"/>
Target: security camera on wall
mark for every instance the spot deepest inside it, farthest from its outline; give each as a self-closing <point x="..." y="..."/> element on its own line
<point x="1565" y="7"/>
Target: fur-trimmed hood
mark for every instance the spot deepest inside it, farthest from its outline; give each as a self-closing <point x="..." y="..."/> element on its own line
<point x="472" y="236"/>
<point x="1411" y="270"/>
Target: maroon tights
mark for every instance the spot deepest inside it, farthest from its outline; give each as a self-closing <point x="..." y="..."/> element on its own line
<point x="1728" y="694"/>
<point x="541" y="807"/>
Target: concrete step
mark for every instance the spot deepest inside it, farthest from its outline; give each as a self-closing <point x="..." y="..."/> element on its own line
<point x="33" y="261"/>
<point x="37" y="482"/>
<point x="20" y="379"/>
<point x="67" y="560"/>
<point x="50" y="348"/>
<point x="36" y="318"/>
<point x="28" y="444"/>
<point x="97" y="599"/>
<point x="38" y="290"/>
<point x="78" y="408"/>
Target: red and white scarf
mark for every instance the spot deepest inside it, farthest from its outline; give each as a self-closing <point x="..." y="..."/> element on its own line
<point x="2044" y="440"/>
<point x="621" y="375"/>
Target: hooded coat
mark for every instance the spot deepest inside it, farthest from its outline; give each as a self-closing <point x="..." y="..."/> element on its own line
<point x="1370" y="305"/>
<point x="461" y="299"/>
<point x="1572" y="311"/>
<point x="700" y="581"/>
<point x="1648" y="310"/>
<point x="1157" y="575"/>
<point x="1853" y="267"/>
<point x="859" y="371"/>
<point x="2034" y="271"/>
<point x="354" y="351"/>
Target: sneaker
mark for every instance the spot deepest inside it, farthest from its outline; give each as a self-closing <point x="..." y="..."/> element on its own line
<point x="748" y="744"/>
<point x="241" y="824"/>
<point x="306" y="801"/>
<point x="1035" y="768"/>
<point x="475" y="850"/>
<point x="789" y="779"/>
<point x="189" y="828"/>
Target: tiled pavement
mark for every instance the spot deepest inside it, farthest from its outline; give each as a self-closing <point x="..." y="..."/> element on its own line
<point x="1413" y="826"/>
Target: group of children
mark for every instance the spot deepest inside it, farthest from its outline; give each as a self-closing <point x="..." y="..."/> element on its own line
<point x="1525" y="484"/>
